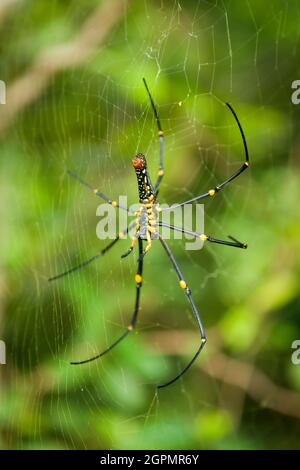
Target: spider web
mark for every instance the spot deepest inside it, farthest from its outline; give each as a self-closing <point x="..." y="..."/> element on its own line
<point x="194" y="57"/>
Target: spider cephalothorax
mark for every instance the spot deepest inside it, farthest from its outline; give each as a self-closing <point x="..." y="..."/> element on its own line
<point x="146" y="226"/>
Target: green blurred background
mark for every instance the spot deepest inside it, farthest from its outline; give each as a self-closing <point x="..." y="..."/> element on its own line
<point x="75" y="100"/>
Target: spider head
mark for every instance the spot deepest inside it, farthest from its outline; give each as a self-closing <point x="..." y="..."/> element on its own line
<point x="139" y="161"/>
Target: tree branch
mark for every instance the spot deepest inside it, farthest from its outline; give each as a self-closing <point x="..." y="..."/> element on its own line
<point x="6" y="7"/>
<point x="29" y="86"/>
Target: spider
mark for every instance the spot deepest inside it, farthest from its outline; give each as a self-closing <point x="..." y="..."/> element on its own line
<point x="146" y="228"/>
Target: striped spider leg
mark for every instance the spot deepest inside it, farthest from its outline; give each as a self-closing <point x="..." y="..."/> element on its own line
<point x="100" y="253"/>
<point x="183" y="285"/>
<point x="99" y="193"/>
<point x="111" y="244"/>
<point x="160" y="174"/>
<point x="218" y="187"/>
<point x="130" y="327"/>
<point x="234" y="242"/>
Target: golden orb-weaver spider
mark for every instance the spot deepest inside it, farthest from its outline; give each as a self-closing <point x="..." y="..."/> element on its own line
<point x="146" y="228"/>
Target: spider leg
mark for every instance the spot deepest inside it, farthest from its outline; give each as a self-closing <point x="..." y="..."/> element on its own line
<point x="216" y="189"/>
<point x="98" y="193"/>
<point x="235" y="243"/>
<point x="97" y="255"/>
<point x="183" y="285"/>
<point x="130" y="327"/>
<point x="149" y="243"/>
<point x="161" y="140"/>
<point x="131" y="248"/>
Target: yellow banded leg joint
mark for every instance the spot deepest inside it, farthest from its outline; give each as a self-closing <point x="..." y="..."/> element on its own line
<point x="138" y="278"/>
<point x="161" y="173"/>
<point x="203" y="237"/>
<point x="212" y="192"/>
<point x="182" y="284"/>
<point x="114" y="203"/>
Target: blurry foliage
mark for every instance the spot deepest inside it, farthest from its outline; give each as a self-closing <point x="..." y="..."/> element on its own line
<point x="92" y="119"/>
